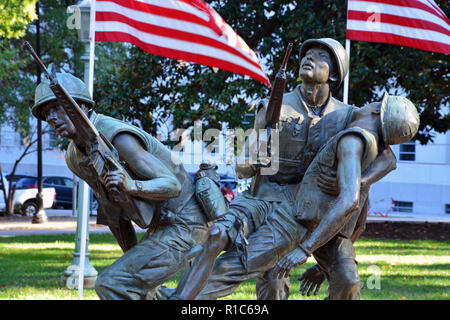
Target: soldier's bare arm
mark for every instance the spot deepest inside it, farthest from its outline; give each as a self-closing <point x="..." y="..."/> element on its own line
<point x="157" y="183"/>
<point x="384" y="163"/>
<point x="349" y="154"/>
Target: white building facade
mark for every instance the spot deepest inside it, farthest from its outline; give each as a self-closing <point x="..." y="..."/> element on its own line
<point x="419" y="187"/>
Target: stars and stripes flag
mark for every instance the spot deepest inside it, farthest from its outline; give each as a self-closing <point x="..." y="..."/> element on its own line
<point x="418" y="24"/>
<point x="188" y="30"/>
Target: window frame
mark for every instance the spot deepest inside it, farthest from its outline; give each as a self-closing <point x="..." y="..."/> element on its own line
<point x="407" y="153"/>
<point x="403" y="206"/>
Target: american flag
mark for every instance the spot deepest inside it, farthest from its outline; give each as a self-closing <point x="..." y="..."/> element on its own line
<point x="418" y="24"/>
<point x="188" y="30"/>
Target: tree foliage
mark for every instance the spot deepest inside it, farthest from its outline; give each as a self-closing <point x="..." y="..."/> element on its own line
<point x="18" y="72"/>
<point x="14" y="19"/>
<point x="154" y="89"/>
<point x="15" y="16"/>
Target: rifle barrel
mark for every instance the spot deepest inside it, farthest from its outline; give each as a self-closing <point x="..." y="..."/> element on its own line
<point x="286" y="55"/>
<point x="30" y="49"/>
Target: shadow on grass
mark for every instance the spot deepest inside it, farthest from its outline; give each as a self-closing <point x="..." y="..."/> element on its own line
<point x="421" y="268"/>
<point x="98" y="238"/>
<point x="403" y="248"/>
<point x="41" y="268"/>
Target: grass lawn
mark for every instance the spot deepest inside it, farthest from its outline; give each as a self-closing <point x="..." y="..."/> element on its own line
<point x="31" y="267"/>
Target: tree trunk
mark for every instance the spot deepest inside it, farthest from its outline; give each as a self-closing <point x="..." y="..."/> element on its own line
<point x="10" y="202"/>
<point x="12" y="188"/>
<point x="3" y="187"/>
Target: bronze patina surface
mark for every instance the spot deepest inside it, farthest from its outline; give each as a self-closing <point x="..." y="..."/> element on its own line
<point x="144" y="186"/>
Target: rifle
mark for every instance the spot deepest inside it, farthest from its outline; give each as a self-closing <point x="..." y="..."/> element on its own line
<point x="102" y="155"/>
<point x="273" y="111"/>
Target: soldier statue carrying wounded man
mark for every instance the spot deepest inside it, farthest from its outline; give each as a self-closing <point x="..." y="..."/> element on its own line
<point x="321" y="224"/>
<point x="303" y="130"/>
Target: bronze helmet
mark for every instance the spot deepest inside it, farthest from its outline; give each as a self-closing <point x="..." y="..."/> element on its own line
<point x="399" y="119"/>
<point x="74" y="86"/>
<point x="338" y="54"/>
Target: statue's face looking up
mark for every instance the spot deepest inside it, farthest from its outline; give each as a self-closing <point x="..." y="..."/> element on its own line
<point x="316" y="65"/>
<point x="58" y="119"/>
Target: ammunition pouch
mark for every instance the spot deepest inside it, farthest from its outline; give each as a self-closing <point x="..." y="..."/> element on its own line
<point x="208" y="194"/>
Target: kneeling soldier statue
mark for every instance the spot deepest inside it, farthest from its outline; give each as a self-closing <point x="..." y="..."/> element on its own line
<point x="135" y="179"/>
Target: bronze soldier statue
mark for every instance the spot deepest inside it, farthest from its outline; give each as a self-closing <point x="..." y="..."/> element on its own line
<point x="309" y="117"/>
<point x="147" y="175"/>
<point x="322" y="224"/>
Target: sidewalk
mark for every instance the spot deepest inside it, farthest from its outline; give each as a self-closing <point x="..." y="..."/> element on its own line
<point x="59" y="222"/>
<point x="398" y="217"/>
<point x="62" y="222"/>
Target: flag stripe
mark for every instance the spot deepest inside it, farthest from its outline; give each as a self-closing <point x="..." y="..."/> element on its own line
<point x="174" y="19"/>
<point x="174" y="27"/>
<point x="178" y="54"/>
<point x="414" y="23"/>
<point x="175" y="44"/>
<point x="394" y="29"/>
<point x="407" y="22"/>
<point x="436" y="8"/>
<point x="170" y="33"/>
<point x="141" y="7"/>
<point x="405" y="12"/>
<point x="404" y="4"/>
<point x="399" y="40"/>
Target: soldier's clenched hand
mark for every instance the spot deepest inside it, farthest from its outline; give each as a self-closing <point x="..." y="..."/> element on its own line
<point x="116" y="180"/>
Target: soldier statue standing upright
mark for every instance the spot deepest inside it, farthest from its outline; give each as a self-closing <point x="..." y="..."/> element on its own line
<point x="309" y="116"/>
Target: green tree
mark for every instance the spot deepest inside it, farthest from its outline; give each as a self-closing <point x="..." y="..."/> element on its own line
<point x="18" y="72"/>
<point x="17" y="69"/>
<point x="153" y="89"/>
<point x="15" y="16"/>
<point x="14" y="19"/>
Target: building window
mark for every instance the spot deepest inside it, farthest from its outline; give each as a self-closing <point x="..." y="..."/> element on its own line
<point x="402" y="206"/>
<point x="447" y="208"/>
<point x="408" y="151"/>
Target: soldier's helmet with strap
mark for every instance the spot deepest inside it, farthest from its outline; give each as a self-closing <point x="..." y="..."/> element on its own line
<point x="399" y="119"/>
<point x="338" y="54"/>
<point x="74" y="86"/>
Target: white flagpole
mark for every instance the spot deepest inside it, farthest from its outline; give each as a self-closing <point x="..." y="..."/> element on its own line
<point x="347" y="49"/>
<point x="92" y="48"/>
<point x="85" y="189"/>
